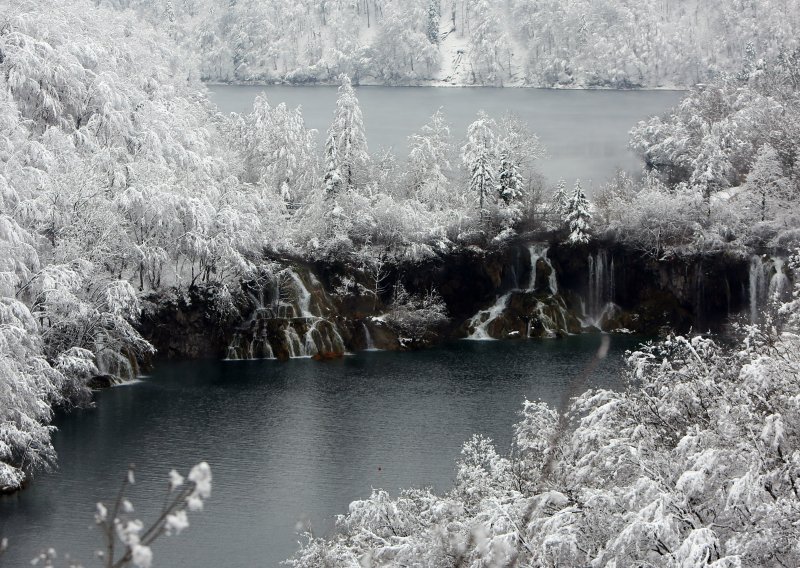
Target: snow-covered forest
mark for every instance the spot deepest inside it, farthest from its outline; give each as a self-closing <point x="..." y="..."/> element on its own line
<point x="119" y="179"/>
<point x="611" y="43"/>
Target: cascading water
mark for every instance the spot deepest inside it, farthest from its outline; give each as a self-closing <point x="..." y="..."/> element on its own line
<point x="296" y="347"/>
<point x="779" y="283"/>
<point x="303" y="295"/>
<point x="538" y="253"/>
<point x="253" y="346"/>
<point x="370" y="344"/>
<point x="552" y="281"/>
<point x="480" y="321"/>
<point x="768" y="282"/>
<point x="599" y="305"/>
<point x="758" y="279"/>
<point x="289" y="326"/>
<point x="543" y="305"/>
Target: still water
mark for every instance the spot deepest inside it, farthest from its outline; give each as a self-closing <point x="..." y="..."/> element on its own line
<point x="585" y="132"/>
<point x="289" y="444"/>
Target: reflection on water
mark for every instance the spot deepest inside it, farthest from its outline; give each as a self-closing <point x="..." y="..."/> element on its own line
<point x="287" y="442"/>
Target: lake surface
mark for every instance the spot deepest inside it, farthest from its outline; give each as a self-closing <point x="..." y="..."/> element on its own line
<point x="585" y="132"/>
<point x="290" y="444"/>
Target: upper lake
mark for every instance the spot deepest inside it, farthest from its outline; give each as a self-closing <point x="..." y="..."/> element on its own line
<point x="585" y="132"/>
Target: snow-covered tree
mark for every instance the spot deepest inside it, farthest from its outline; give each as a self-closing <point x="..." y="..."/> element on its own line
<point x="560" y="200"/>
<point x="511" y="185"/>
<point x="578" y="216"/>
<point x="434" y="15"/>
<point x="429" y="162"/>
<point x="279" y="151"/>
<point x="333" y="176"/>
<point x="479" y="156"/>
<point x="766" y="179"/>
<point x="349" y="141"/>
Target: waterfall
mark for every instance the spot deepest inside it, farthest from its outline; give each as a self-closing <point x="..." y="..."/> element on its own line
<point x="550" y="327"/>
<point x="758" y="277"/>
<point x="551" y="314"/>
<point x="779" y="283"/>
<point x="322" y="338"/>
<point x="768" y="283"/>
<point x="311" y="347"/>
<point x="480" y="321"/>
<point x="258" y="347"/>
<point x="337" y="341"/>
<point x="368" y="338"/>
<point x="296" y="347"/>
<point x="303" y="295"/>
<point x="601" y="290"/>
<point x="537" y="253"/>
<point x="283" y="317"/>
<point x="552" y="280"/>
<point x="232" y="354"/>
<point x="261" y="347"/>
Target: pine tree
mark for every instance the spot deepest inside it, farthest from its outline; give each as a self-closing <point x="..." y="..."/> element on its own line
<point x="333" y="175"/>
<point x="578" y="216"/>
<point x="561" y="201"/>
<point x="347" y="132"/>
<point x="479" y="156"/>
<point x="511" y="185"/>
<point x="711" y="169"/>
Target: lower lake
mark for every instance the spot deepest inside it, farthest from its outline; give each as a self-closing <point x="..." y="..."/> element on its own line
<point x="290" y="444"/>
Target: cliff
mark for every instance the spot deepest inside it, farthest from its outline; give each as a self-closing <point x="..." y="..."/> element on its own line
<point x="524" y="290"/>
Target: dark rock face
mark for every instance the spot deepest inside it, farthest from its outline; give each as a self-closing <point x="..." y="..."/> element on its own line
<point x="323" y="310"/>
<point x="681" y="293"/>
<point x="469" y="278"/>
<point x="186" y="326"/>
<point x="102" y="382"/>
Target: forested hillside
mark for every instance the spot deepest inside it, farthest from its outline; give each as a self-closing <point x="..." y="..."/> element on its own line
<point x="611" y="43"/>
<point x="108" y="173"/>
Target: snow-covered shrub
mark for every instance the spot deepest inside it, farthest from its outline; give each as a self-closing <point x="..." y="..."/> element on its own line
<point x="416" y="315"/>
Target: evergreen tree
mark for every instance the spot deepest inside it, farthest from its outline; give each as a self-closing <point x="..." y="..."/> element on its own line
<point x="347" y="134"/>
<point x="560" y="200"/>
<point x="511" y="185"/>
<point x="578" y="216"/>
<point x="711" y="169"/>
<point x="333" y="175"/>
<point x="479" y="156"/>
